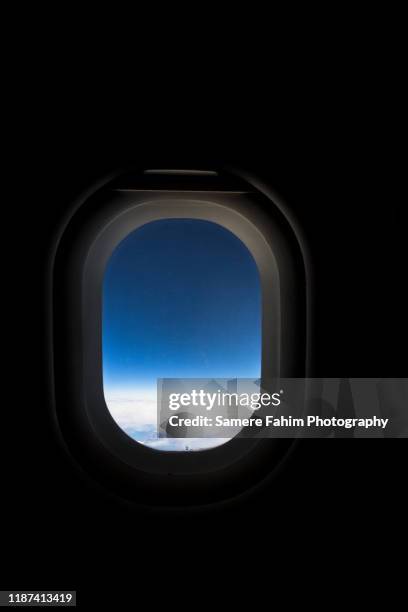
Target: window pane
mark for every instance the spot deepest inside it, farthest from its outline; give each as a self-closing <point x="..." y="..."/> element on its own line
<point x="181" y="298"/>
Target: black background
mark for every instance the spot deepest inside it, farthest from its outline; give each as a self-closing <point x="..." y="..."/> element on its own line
<point x="332" y="161"/>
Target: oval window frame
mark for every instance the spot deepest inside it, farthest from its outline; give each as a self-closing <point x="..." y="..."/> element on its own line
<point x="91" y="433"/>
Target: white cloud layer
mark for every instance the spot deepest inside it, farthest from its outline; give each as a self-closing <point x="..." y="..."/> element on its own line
<point x="183" y="444"/>
<point x="133" y="411"/>
<point x="136" y="413"/>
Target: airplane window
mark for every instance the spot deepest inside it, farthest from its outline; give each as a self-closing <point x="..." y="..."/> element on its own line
<point x="181" y="298"/>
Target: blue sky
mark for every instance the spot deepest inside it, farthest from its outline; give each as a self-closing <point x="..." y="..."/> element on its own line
<point x="181" y="298"/>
